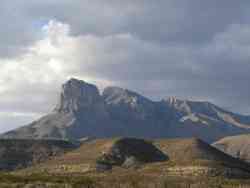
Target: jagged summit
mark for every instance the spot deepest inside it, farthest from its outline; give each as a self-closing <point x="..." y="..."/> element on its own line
<point x="83" y="112"/>
<point x="77" y="94"/>
<point x="185" y="105"/>
<point x="205" y="112"/>
<point x="172" y="100"/>
<point x="116" y="95"/>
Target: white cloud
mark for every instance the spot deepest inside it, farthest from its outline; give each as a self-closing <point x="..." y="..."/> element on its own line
<point x="29" y="83"/>
<point x="12" y="120"/>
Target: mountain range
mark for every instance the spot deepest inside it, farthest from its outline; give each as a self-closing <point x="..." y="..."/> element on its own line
<point x="82" y="111"/>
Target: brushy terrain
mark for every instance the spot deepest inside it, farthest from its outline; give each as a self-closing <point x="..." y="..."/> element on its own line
<point x="21" y="153"/>
<point x="183" y="157"/>
<point x="188" y="163"/>
<point x="131" y="180"/>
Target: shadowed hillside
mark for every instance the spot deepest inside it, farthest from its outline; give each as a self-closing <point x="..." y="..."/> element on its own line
<point x="15" y="154"/>
<point x="130" y="152"/>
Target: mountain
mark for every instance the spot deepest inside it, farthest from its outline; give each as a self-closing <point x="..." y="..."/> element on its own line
<point x="236" y="146"/>
<point x="152" y="158"/>
<point x="79" y="110"/>
<point x="83" y="112"/>
<point x="205" y="120"/>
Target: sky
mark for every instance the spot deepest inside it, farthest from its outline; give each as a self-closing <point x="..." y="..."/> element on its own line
<point x="191" y="49"/>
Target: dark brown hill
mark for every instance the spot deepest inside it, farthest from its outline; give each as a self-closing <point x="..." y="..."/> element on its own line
<point x="15" y="154"/>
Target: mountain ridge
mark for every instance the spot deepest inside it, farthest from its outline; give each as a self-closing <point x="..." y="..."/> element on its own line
<point x="82" y="111"/>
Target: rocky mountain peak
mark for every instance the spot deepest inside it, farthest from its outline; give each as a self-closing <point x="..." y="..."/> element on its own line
<point x="117" y="95"/>
<point x="178" y="104"/>
<point x="188" y="106"/>
<point x="77" y="94"/>
<point x="174" y="101"/>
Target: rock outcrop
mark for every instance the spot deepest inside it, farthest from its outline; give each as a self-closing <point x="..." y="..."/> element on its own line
<point x="130" y="152"/>
<point x="77" y="95"/>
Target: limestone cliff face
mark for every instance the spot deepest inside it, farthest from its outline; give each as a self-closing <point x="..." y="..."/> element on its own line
<point x="79" y="110"/>
<point x="77" y="95"/>
<point x="83" y="112"/>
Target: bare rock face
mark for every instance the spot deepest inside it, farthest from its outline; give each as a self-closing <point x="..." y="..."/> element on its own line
<point x="127" y="105"/>
<point x="83" y="112"/>
<point x="77" y="95"/>
<point x="205" y="120"/>
<point x="79" y="110"/>
<point x="116" y="95"/>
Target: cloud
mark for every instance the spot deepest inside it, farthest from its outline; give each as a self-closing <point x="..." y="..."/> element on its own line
<point x="160" y="49"/>
<point x="12" y="120"/>
<point x="30" y="82"/>
<point x="163" y="21"/>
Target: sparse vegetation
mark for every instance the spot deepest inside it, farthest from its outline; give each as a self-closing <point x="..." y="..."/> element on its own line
<point x="120" y="181"/>
<point x="191" y="164"/>
<point x="21" y="153"/>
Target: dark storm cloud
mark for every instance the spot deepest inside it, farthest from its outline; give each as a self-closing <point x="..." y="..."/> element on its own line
<point x="162" y="21"/>
<point x="187" y="48"/>
<point x="16" y="29"/>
